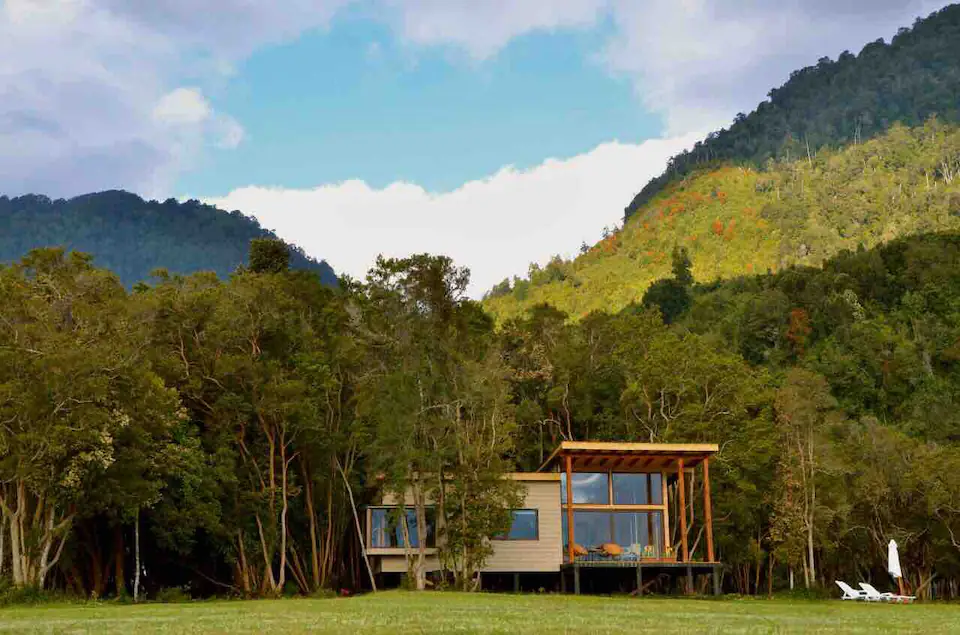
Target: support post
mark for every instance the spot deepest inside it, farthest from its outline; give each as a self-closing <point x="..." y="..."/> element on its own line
<point x="707" y="510"/>
<point x="689" y="579"/>
<point x="681" y="487"/>
<point x="569" y="467"/>
<point x="516" y="583"/>
<point x="576" y="579"/>
<point x="666" y="512"/>
<point x="563" y="581"/>
<point x="716" y="580"/>
<point x="639" y="579"/>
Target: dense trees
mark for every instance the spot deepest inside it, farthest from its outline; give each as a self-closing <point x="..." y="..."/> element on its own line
<point x="132" y="237"/>
<point x="221" y="435"/>
<point x="837" y="103"/>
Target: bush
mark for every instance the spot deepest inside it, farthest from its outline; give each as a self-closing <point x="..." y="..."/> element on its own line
<point x="173" y="595"/>
<point x="30" y="595"/>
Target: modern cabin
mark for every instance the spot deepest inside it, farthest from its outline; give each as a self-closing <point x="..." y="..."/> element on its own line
<point x="591" y="508"/>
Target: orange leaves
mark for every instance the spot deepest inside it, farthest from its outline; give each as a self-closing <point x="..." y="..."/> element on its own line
<point x="799" y="330"/>
<point x="730" y="232"/>
<point x="717" y="227"/>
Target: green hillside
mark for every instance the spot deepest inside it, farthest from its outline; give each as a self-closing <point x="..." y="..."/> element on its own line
<point x="132" y="237"/>
<point x="737" y="220"/>
<point x="835" y="103"/>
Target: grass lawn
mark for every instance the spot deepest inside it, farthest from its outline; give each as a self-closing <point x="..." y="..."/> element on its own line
<point x="402" y="612"/>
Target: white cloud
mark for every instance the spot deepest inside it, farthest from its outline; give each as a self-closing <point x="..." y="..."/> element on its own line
<point x="182" y="106"/>
<point x="483" y="27"/>
<point x="496" y="226"/>
<point x="91" y="93"/>
<point x="696" y="62"/>
<point x="700" y="62"/>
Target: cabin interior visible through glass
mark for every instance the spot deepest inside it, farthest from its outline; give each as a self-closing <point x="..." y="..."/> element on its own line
<point x="615" y="496"/>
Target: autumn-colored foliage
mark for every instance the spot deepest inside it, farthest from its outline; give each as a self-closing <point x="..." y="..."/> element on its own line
<point x="799" y="330"/>
<point x="717" y="227"/>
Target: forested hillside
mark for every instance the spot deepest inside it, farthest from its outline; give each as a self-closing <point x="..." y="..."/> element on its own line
<point x="132" y="237"/>
<point x="833" y="392"/>
<point x="839" y="102"/>
<point x="738" y="220"/>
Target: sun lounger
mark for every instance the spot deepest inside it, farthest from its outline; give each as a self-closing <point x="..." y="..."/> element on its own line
<point x="875" y="596"/>
<point x="849" y="593"/>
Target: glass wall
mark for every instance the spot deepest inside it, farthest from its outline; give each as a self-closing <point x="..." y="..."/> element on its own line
<point x="386" y="530"/>
<point x="637" y="489"/>
<point x="589" y="488"/>
<point x="639" y="534"/>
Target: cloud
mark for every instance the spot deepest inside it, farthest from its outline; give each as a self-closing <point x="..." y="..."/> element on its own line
<point x="484" y="27"/>
<point x="92" y="93"/>
<point x="695" y="62"/>
<point x="496" y="226"/>
<point x="700" y="62"/>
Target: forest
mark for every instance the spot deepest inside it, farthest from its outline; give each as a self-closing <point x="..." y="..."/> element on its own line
<point x="838" y="102"/>
<point x="217" y="436"/>
<point x="132" y="237"/>
<point x="735" y="220"/>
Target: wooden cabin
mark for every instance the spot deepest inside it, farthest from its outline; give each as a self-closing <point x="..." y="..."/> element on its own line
<point x="592" y="507"/>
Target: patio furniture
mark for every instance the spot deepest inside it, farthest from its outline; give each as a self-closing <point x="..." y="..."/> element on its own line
<point x="849" y="593"/>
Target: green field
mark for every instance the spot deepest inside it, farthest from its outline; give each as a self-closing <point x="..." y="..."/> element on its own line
<point x="396" y="612"/>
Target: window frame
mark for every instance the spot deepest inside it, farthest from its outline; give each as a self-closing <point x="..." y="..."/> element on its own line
<point x="409" y="508"/>
<point x="505" y="537"/>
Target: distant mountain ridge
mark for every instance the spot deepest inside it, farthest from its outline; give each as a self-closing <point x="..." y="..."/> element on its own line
<point x="840" y="102"/>
<point x="132" y="236"/>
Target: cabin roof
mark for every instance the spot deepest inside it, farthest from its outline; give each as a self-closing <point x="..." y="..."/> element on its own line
<point x="591" y="456"/>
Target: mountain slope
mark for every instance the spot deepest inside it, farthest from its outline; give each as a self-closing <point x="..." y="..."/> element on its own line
<point x="838" y="102"/>
<point x="132" y="237"/>
<point x="736" y="220"/>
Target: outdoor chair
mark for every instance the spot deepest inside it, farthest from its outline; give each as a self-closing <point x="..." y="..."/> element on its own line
<point x="849" y="593"/>
<point x="875" y="596"/>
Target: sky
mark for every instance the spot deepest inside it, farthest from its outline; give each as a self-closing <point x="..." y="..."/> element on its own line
<point x="497" y="132"/>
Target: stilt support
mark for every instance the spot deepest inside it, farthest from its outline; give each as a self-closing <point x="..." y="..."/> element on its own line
<point x="516" y="583"/>
<point x="576" y="580"/>
<point x="716" y="581"/>
<point x="639" y="579"/>
<point x="689" y="579"/>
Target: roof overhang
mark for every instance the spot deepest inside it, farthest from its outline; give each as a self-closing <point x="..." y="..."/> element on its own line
<point x="601" y="456"/>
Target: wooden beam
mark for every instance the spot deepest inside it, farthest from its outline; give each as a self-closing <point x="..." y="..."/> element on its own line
<point x="590" y="507"/>
<point x="666" y="513"/>
<point x="682" y="504"/>
<point x="633" y="461"/>
<point x="569" y="466"/>
<point x="707" y="511"/>
<point x="617" y="463"/>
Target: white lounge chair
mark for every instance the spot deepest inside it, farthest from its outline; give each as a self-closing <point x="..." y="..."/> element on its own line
<point x="875" y="596"/>
<point x="849" y="593"/>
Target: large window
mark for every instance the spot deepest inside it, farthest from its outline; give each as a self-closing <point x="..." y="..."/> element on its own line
<point x="637" y="533"/>
<point x="386" y="529"/>
<point x="588" y="488"/>
<point x="524" y="526"/>
<point x="637" y="489"/>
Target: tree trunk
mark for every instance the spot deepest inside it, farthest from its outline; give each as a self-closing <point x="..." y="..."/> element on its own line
<point x="136" y="550"/>
<point x="119" y="560"/>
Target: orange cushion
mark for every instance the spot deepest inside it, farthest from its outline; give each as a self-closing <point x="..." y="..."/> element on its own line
<point x="611" y="548"/>
<point x="579" y="550"/>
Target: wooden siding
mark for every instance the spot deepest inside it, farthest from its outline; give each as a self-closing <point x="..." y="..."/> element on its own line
<point x="544" y="554"/>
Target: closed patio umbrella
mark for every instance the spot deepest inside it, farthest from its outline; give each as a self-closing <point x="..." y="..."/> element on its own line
<point x="893" y="563"/>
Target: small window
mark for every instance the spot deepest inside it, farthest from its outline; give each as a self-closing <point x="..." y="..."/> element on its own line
<point x="386" y="530"/>
<point x="524" y="525"/>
